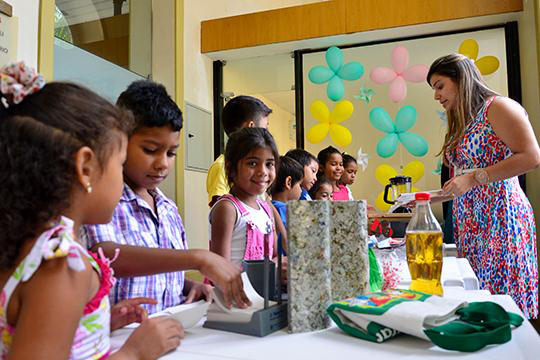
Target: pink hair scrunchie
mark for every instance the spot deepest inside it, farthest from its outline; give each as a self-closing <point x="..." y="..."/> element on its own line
<point x="18" y="80"/>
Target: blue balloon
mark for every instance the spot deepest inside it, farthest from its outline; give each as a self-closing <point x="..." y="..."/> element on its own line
<point x="335" y="89"/>
<point x="405" y="119"/>
<point x="334" y="58"/>
<point x="380" y="120"/>
<point x="414" y="143"/>
<point x="351" y="71"/>
<point x="320" y="74"/>
<point x="387" y="146"/>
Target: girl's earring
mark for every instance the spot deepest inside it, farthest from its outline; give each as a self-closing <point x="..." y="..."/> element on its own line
<point x="88" y="188"/>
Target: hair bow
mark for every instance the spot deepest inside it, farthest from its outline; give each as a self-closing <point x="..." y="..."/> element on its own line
<point x="18" y="80"/>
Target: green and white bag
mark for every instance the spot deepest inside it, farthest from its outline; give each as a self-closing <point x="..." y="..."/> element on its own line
<point x="449" y="323"/>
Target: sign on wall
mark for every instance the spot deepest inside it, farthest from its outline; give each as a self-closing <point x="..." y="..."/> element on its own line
<point x="9" y="32"/>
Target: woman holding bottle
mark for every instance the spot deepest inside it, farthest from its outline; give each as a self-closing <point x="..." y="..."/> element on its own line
<point x="488" y="144"/>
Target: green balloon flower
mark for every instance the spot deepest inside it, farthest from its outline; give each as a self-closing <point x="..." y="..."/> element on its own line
<point x="398" y="132"/>
<point x="335" y="73"/>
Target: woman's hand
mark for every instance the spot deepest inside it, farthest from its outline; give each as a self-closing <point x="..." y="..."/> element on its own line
<point x="459" y="185"/>
<point x="129" y="311"/>
<point x="199" y="291"/>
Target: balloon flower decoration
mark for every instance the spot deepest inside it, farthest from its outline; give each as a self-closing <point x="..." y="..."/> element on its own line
<point x="486" y="64"/>
<point x="398" y="132"/>
<point x="399" y="74"/>
<point x="329" y="122"/>
<point x="335" y="73"/>
<point x="383" y="173"/>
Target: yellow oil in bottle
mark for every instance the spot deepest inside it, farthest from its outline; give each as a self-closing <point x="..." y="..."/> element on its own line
<point x="424" y="257"/>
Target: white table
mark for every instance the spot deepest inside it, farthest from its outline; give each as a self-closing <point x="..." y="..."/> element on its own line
<point x="201" y="343"/>
<point x="206" y="344"/>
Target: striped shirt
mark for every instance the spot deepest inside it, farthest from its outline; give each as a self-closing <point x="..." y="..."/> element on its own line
<point x="134" y="222"/>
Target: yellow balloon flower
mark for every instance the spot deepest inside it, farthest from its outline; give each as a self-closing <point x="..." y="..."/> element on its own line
<point x="486" y="64"/>
<point x="383" y="173"/>
<point x="329" y="122"/>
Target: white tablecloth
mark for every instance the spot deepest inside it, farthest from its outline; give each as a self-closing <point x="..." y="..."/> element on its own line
<point x="201" y="343"/>
<point x="205" y="344"/>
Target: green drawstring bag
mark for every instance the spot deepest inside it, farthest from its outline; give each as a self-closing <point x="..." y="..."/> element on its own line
<point x="375" y="276"/>
<point x="479" y="324"/>
<point x="449" y="323"/>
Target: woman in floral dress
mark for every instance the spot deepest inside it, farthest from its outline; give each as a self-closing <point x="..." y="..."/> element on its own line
<point x="489" y="143"/>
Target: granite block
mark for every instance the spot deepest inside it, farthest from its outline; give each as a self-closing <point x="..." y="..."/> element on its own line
<point x="308" y="255"/>
<point x="349" y="249"/>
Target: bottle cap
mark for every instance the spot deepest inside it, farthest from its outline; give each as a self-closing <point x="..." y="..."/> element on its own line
<point x="422" y="196"/>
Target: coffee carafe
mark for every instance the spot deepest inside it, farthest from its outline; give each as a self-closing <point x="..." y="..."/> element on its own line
<point x="398" y="185"/>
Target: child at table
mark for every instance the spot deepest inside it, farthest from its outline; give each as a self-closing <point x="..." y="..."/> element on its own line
<point x="286" y="187"/>
<point x="322" y="189"/>
<point x="311" y="168"/>
<point x="240" y="112"/>
<point x="146" y="226"/>
<point x="331" y="166"/>
<point x="241" y="224"/>
<point x="350" y="167"/>
<point x="61" y="159"/>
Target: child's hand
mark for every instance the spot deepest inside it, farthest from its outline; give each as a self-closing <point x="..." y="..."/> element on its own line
<point x="129" y="311"/>
<point x="226" y="276"/>
<point x="199" y="291"/>
<point x="153" y="338"/>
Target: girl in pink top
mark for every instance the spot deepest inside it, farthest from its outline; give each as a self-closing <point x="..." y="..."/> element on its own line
<point x="331" y="166"/>
<point x="241" y="224"/>
<point x="61" y="159"/>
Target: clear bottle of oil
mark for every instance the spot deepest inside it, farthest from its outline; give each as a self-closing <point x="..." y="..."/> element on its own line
<point x="424" y="248"/>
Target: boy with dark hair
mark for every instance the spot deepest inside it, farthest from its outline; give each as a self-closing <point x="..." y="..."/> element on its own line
<point x="286" y="187"/>
<point x="146" y="226"/>
<point x="311" y="168"/>
<point x="240" y="112"/>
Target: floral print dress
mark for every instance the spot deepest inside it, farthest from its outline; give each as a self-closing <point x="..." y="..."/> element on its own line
<point x="92" y="338"/>
<point x="494" y="223"/>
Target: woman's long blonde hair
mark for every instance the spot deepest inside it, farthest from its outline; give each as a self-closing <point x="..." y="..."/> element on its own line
<point x="471" y="95"/>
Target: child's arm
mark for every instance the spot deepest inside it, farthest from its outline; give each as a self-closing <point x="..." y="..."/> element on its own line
<point x="50" y="305"/>
<point x="223" y="218"/>
<point x="278" y="228"/>
<point x="216" y="183"/>
<point x="223" y="273"/>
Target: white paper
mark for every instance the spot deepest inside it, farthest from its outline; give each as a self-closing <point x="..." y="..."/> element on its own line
<point x="217" y="311"/>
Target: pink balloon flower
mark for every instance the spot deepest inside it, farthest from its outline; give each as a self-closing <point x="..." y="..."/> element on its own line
<point x="400" y="73"/>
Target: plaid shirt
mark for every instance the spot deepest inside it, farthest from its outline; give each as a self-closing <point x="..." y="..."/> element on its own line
<point x="135" y="223"/>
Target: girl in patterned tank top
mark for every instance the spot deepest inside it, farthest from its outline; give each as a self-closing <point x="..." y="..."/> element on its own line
<point x="240" y="223"/>
<point x="61" y="158"/>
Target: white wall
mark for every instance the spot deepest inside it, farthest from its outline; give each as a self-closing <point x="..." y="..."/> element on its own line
<point x="529" y="87"/>
<point x="28" y="13"/>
